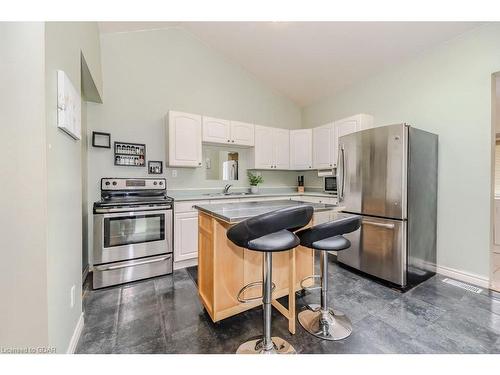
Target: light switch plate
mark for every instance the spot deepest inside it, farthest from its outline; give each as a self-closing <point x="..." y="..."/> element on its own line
<point x="69" y="106"/>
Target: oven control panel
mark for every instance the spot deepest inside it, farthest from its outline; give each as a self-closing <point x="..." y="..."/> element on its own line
<point x="133" y="184"/>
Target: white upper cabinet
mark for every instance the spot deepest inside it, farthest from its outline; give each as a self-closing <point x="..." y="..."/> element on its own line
<point x="350" y="125"/>
<point x="264" y="147"/>
<point x="281" y="138"/>
<point x="228" y="132"/>
<point x="301" y="154"/>
<point x="242" y="133"/>
<point x="272" y="148"/>
<point x="323" y="147"/>
<point x="183" y="139"/>
<point x="216" y="130"/>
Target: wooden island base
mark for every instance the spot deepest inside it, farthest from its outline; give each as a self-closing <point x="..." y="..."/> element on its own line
<point x="224" y="269"/>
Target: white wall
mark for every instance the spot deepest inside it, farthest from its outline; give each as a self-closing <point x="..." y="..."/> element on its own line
<point x="446" y="91"/>
<point x="23" y="269"/>
<point x="64" y="44"/>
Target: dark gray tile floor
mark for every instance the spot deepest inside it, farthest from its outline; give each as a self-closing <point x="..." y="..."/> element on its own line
<point x="164" y="315"/>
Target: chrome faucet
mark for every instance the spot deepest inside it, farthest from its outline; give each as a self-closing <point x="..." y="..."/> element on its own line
<point x="226" y="189"/>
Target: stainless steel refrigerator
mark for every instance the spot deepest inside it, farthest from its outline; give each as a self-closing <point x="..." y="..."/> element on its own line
<point x="388" y="175"/>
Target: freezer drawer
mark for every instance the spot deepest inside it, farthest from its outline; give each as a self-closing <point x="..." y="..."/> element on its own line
<point x="378" y="248"/>
<point x="137" y="269"/>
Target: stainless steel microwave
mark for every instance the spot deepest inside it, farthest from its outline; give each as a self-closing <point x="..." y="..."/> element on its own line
<point x="330" y="184"/>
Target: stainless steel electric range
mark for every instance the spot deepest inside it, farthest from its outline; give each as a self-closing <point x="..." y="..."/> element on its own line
<point x="133" y="226"/>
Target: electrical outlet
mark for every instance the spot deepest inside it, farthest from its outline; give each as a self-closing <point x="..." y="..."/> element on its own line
<point x="174" y="172"/>
<point x="72" y="296"/>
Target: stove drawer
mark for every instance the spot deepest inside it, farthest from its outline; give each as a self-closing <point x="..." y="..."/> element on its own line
<point x="132" y="270"/>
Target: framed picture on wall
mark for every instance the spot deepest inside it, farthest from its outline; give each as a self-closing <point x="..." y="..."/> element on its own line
<point x="101" y="140"/>
<point x="155" y="167"/>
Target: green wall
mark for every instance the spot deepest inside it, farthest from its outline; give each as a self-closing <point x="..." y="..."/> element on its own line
<point x="446" y="91"/>
<point x="148" y="73"/>
<point x="65" y="42"/>
<point x="23" y="275"/>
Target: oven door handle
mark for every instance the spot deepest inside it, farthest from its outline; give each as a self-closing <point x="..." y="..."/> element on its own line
<point x="110" y="268"/>
<point x="131" y="209"/>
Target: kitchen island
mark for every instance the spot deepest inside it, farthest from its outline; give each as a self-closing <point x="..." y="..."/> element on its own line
<point x="224" y="268"/>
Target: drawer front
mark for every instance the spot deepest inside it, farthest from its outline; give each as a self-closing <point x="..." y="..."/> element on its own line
<point x="313" y="199"/>
<point x="224" y="200"/>
<point x="188" y="206"/>
<point x="306" y="198"/>
<point x="262" y="199"/>
<point x="123" y="272"/>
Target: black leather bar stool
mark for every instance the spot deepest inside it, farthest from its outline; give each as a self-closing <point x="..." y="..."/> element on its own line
<point x="321" y="320"/>
<point x="268" y="233"/>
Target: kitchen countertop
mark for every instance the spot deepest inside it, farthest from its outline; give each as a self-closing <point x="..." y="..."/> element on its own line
<point x="196" y="196"/>
<point x="236" y="212"/>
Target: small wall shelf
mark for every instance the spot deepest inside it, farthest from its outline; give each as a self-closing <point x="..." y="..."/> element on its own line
<point x="130" y="154"/>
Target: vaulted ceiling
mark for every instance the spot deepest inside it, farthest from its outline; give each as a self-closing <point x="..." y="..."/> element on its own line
<point x="307" y="61"/>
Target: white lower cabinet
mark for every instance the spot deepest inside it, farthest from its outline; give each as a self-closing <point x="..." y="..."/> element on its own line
<point x="321" y="217"/>
<point x="186" y="232"/>
<point x="185" y="236"/>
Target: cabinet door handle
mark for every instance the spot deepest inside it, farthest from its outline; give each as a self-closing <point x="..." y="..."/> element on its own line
<point x="232" y="141"/>
<point x="229" y="140"/>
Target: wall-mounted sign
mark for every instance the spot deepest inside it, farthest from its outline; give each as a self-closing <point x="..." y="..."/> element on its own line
<point x="69" y="106"/>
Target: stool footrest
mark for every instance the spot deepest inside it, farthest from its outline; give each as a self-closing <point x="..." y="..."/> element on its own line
<point x="313" y="307"/>
<point x="309" y="288"/>
<point x="248" y="286"/>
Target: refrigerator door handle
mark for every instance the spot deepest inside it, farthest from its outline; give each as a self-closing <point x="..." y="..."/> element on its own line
<point x="339" y="181"/>
<point x="382" y="225"/>
<point x="342" y="184"/>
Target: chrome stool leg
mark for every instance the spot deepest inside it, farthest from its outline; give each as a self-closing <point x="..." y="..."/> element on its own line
<point x="321" y="321"/>
<point x="267" y="344"/>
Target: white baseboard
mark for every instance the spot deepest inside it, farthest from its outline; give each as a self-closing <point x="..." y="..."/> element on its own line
<point x="76" y="335"/>
<point x="185" y="263"/>
<point x="466" y="277"/>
